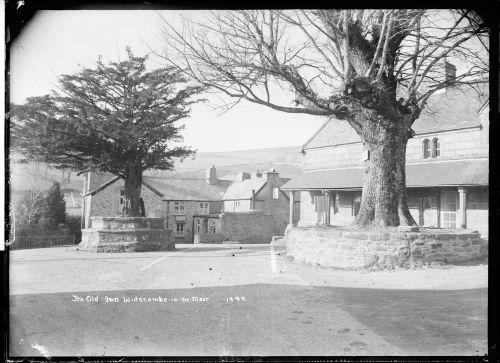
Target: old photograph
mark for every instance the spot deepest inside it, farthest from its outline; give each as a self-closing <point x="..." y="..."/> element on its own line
<point x="248" y="183"/>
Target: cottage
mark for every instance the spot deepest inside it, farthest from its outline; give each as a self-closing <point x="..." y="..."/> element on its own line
<point x="254" y="209"/>
<point x="251" y="208"/>
<point x="446" y="167"/>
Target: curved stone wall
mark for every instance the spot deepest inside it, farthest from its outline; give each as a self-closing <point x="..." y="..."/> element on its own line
<point x="385" y="248"/>
<point x="126" y="234"/>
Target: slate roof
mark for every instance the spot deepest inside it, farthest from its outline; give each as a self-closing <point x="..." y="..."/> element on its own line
<point x="455" y="108"/>
<point x="243" y="189"/>
<point x="445" y="173"/>
<point x="187" y="189"/>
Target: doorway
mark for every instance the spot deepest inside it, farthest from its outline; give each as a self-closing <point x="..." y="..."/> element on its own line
<point x="449" y="204"/>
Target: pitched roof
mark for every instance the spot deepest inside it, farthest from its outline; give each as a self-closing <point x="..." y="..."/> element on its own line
<point x="452" y="109"/>
<point x="456" y="108"/>
<point x="187" y="189"/>
<point x="428" y="174"/>
<point x="243" y="189"/>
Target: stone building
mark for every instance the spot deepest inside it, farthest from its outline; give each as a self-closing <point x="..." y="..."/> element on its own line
<point x="446" y="167"/>
<point x="195" y="209"/>
<point x="254" y="210"/>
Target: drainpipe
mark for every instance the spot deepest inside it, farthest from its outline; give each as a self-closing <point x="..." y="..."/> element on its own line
<point x="82" y="219"/>
<point x="166" y="219"/>
<point x="292" y="204"/>
<point x="462" y="208"/>
<point x="252" y="202"/>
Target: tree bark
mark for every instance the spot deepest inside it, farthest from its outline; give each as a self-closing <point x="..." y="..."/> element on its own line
<point x="383" y="200"/>
<point x="133" y="184"/>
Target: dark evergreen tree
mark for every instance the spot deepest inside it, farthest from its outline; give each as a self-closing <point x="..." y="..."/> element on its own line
<point x="55" y="207"/>
<point x="117" y="118"/>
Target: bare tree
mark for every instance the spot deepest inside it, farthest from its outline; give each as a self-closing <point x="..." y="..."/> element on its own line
<point x="30" y="206"/>
<point x="376" y="69"/>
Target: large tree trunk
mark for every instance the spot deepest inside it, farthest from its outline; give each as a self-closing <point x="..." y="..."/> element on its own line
<point x="133" y="183"/>
<point x="384" y="185"/>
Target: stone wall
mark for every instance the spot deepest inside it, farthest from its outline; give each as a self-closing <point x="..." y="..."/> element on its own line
<point x="250" y="227"/>
<point x="126" y="234"/>
<point x="477" y="209"/>
<point x="338" y="156"/>
<point x="217" y="237"/>
<point x="389" y="248"/>
<point x="454" y="145"/>
<point x="190" y="209"/>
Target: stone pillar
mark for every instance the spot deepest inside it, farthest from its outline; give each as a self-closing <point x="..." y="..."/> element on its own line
<point x="327" y="214"/>
<point x="292" y="202"/>
<point x="462" y="214"/>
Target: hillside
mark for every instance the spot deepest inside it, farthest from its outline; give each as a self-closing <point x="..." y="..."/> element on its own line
<point x="286" y="160"/>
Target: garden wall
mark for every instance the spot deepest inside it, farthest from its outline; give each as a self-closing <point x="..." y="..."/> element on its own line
<point x="386" y="248"/>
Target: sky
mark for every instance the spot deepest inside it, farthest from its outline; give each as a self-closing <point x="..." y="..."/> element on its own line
<point x="58" y="42"/>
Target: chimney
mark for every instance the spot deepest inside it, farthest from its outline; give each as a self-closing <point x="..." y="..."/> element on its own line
<point x="272" y="176"/>
<point x="257" y="174"/>
<point x="450" y="72"/>
<point x="242" y="176"/>
<point x="211" y="176"/>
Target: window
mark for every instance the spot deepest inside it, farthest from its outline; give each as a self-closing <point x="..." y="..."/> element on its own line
<point x="122" y="196"/>
<point x="179" y="230"/>
<point x="276" y="193"/>
<point x="236" y="205"/>
<point x="426" y="148"/>
<point x="179" y="208"/>
<point x="436" y="151"/>
<point x="213" y="227"/>
<point x="198" y="226"/>
<point x="203" y="208"/>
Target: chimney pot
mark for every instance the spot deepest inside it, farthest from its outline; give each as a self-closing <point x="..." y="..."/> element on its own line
<point x="243" y="175"/>
<point x="450" y="71"/>
<point x="211" y="176"/>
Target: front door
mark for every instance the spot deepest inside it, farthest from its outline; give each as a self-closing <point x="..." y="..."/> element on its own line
<point x="424" y="218"/>
<point x="449" y="204"/>
<point x="320" y="206"/>
<point x="197" y="230"/>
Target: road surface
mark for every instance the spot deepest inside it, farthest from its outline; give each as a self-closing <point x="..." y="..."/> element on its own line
<point x="226" y="300"/>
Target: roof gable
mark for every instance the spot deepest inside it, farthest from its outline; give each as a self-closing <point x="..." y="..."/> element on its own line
<point x="243" y="189"/>
<point x="452" y="109"/>
<point x="332" y="132"/>
<point x="455" y="108"/>
<point x="188" y="189"/>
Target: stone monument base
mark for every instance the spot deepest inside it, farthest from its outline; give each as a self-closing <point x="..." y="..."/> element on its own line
<point x="126" y="234"/>
<point x="392" y="247"/>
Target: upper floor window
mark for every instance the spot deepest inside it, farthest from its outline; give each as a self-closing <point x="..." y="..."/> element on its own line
<point x="122" y="196"/>
<point x="276" y="193"/>
<point x="426" y="148"/>
<point x="236" y="205"/>
<point x="179" y="208"/>
<point x="436" y="148"/>
<point x="431" y="148"/>
<point x="203" y="208"/>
